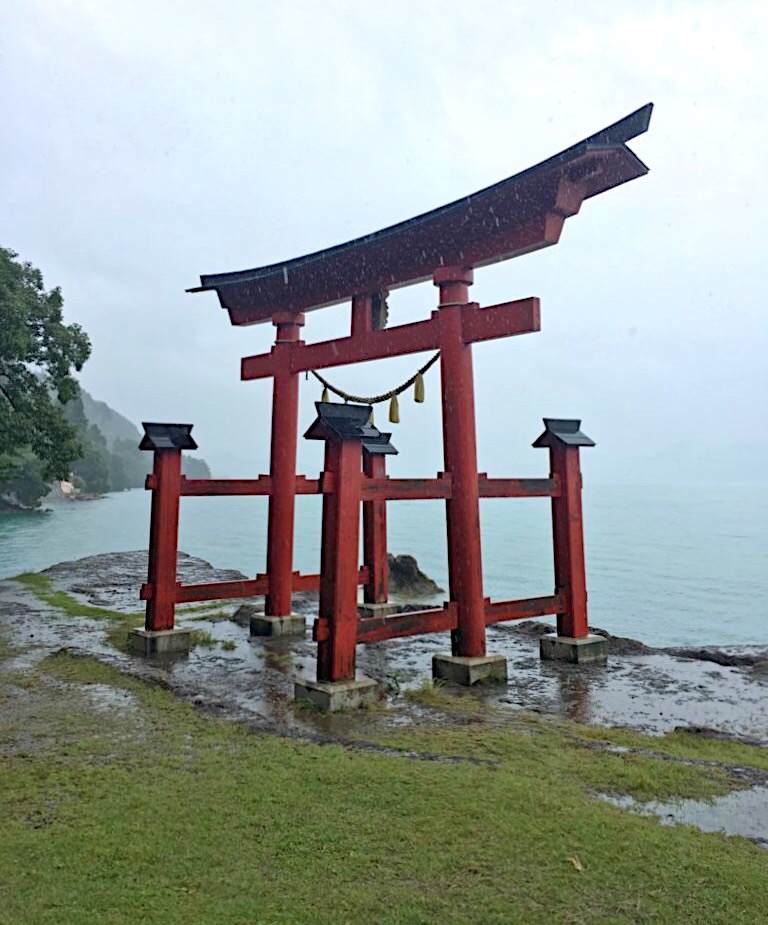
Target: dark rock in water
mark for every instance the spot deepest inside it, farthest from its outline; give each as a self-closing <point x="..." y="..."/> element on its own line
<point x="407" y="580"/>
<point x="623" y="645"/>
<point x="529" y="629"/>
<point x="731" y="657"/>
<point x="618" y="645"/>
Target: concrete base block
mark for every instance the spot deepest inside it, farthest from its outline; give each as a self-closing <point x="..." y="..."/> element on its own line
<point x="332" y="696"/>
<point x="293" y="625"/>
<point x="377" y="610"/>
<point x="587" y="650"/>
<point x="464" y="670"/>
<point x="160" y="642"/>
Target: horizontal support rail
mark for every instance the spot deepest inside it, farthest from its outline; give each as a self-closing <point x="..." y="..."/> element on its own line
<point x="525" y="609"/>
<point x="377" y="629"/>
<point x="510" y="318"/>
<point x="242" y="487"/>
<point x="247" y="587"/>
<point x="507" y="319"/>
<point x="386" y="489"/>
<point x="203" y="487"/>
<point x="518" y="488"/>
<point x="438" y="620"/>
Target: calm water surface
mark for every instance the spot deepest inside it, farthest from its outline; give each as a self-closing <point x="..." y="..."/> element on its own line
<point x="669" y="565"/>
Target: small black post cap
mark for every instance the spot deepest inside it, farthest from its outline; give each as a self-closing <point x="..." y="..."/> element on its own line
<point x="379" y="446"/>
<point x="167" y="437"/>
<point x="337" y="421"/>
<point x="563" y="432"/>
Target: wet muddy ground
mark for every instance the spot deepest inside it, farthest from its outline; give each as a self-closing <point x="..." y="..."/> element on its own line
<point x="719" y="692"/>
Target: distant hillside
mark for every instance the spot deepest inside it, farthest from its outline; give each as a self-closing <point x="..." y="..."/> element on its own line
<point x="112" y="425"/>
<point x="112" y="460"/>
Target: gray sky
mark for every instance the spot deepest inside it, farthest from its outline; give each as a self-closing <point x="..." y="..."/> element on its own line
<point x="145" y="143"/>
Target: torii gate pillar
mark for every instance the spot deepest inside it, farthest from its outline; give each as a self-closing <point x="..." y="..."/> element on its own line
<point x="278" y="618"/>
<point x="468" y="661"/>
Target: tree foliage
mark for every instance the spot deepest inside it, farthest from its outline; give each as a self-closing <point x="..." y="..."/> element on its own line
<point x="38" y="354"/>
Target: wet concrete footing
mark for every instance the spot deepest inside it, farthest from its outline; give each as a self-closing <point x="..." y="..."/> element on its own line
<point x="587" y="650"/>
<point x="332" y="696"/>
<point x="160" y="642"/>
<point x="466" y="671"/>
<point x="294" y="624"/>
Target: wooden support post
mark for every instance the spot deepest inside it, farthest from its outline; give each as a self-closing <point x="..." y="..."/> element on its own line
<point x="338" y="579"/>
<point x="376" y="591"/>
<point x="282" y="501"/>
<point x="362" y="315"/>
<point x="568" y="535"/>
<point x="163" y="539"/>
<point x="460" y="450"/>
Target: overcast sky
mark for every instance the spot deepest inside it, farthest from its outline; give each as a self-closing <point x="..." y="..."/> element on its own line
<point x="145" y="143"/>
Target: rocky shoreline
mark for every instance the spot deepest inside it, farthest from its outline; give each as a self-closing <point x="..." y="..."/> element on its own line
<point x="720" y="689"/>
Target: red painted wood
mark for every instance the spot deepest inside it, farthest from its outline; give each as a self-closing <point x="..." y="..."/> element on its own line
<point x="496" y="223"/>
<point x="521" y="317"/>
<point x="254" y="587"/>
<point x="373" y="488"/>
<point x="282" y="501"/>
<point x="163" y="539"/>
<point x="505" y="320"/>
<point x="395" y="626"/>
<point x="243" y="487"/>
<point x="221" y="590"/>
<point x="462" y="509"/>
<point x="196" y="488"/>
<point x="362" y="315"/>
<point x="327" y="563"/>
<point x="500" y="611"/>
<point x="374" y="345"/>
<point x="406" y="489"/>
<point x="339" y="573"/>
<point x="376" y="591"/>
<point x="517" y="488"/>
<point x="568" y="536"/>
<point x="312" y="582"/>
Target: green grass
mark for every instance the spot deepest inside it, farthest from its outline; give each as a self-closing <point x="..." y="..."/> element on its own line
<point x="130" y="806"/>
<point x="154" y="813"/>
<point x="203" y="638"/>
<point x="121" y="623"/>
<point x="42" y="587"/>
<point x="434" y="694"/>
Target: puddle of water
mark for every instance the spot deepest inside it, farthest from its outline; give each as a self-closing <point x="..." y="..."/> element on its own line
<point x="743" y="812"/>
<point x="106" y="698"/>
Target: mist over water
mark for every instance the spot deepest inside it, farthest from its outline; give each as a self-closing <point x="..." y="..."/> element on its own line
<point x="670" y="565"/>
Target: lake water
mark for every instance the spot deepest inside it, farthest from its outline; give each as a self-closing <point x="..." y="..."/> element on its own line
<point x="670" y="565"/>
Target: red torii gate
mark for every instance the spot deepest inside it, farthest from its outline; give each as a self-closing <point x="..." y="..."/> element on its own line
<point x="518" y="215"/>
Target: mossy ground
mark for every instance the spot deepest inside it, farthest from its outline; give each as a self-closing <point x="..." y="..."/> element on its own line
<point x="120" y="624"/>
<point x="121" y="804"/>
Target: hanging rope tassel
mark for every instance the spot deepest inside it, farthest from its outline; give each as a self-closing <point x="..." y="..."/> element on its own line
<point x="418" y="388"/>
<point x="416" y="380"/>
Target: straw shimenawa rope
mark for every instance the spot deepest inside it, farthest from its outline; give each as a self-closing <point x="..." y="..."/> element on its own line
<point x="417" y="380"/>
